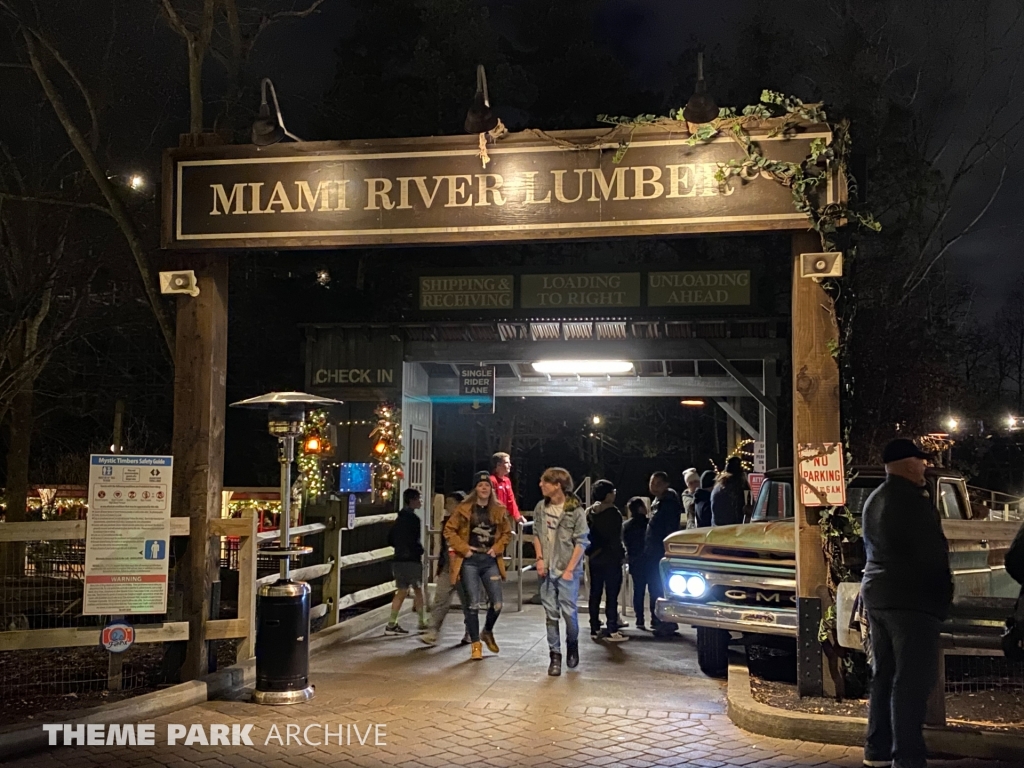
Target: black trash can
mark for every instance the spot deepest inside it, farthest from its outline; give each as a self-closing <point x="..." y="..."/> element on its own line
<point x="282" y="644"/>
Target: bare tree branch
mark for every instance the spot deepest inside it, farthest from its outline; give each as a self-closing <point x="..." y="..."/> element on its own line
<point x="197" y="44"/>
<point x="911" y="285"/>
<point x="51" y="201"/>
<point x="94" y="131"/>
<point x="270" y="19"/>
<point x="117" y="208"/>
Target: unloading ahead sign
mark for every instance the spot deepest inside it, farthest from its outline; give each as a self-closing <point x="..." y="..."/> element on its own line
<point x="128" y="534"/>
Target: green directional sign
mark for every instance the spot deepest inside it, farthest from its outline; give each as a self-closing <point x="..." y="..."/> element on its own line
<point x="699" y="289"/>
<point x="575" y="290"/>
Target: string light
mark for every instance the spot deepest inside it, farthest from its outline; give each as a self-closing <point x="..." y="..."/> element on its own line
<point x="744" y="451"/>
<point x="261" y="506"/>
<point x="387" y="450"/>
<point x="314" y="442"/>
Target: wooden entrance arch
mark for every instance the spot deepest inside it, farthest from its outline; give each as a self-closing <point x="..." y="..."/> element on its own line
<point x="531" y="185"/>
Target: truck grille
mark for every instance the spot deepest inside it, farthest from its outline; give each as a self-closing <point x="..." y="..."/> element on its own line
<point x="762" y="556"/>
<point x="749" y="596"/>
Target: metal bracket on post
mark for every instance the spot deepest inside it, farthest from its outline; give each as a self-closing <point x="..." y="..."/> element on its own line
<point x="809" y="669"/>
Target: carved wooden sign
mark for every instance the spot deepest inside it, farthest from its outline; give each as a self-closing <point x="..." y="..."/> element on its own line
<point x="436" y="190"/>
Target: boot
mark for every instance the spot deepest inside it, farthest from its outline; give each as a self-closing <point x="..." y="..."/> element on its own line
<point x="477" y="652"/>
<point x="555" y="667"/>
<point x="488" y="639"/>
<point x="572" y="655"/>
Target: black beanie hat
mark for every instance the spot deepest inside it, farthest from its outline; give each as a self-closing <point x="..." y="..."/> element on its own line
<point x="482" y="477"/>
<point x="601" y="489"/>
<point x="707" y="479"/>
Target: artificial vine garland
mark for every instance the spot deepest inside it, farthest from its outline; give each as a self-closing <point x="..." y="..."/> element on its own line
<point x="783" y="114"/>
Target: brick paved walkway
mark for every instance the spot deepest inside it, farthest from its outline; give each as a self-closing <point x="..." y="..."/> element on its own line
<point x="643" y="703"/>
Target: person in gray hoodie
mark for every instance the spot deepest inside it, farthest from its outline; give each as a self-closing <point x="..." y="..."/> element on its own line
<point x="560" y="536"/>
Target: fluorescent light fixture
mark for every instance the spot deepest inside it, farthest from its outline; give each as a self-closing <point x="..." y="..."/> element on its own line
<point x="583" y="367"/>
<point x="696" y="402"/>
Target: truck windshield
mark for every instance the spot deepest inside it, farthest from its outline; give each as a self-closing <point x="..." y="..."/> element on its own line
<point x="856" y="495"/>
<point x="775" y="501"/>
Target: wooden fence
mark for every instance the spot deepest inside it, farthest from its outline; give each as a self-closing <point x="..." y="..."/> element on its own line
<point x="243" y="627"/>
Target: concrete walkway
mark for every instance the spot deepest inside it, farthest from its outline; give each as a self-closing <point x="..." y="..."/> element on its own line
<point x="641" y="703"/>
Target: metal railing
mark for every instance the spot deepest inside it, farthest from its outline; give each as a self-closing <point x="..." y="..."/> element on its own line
<point x="1001" y="506"/>
<point x="515" y="560"/>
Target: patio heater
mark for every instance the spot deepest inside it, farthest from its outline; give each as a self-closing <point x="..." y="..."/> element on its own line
<point x="282" y="629"/>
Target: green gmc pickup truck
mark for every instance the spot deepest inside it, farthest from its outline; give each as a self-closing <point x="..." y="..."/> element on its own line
<point x="738" y="581"/>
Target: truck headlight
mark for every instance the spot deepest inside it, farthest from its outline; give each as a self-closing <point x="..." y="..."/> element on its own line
<point x="696" y="586"/>
<point x="690" y="585"/>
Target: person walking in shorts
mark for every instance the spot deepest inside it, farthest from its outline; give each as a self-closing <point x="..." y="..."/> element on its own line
<point x="407" y="564"/>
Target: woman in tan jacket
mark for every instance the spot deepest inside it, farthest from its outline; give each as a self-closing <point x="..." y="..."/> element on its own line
<point x="478" y="532"/>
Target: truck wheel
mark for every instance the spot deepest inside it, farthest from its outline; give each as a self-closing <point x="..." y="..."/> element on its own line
<point x="713" y="651"/>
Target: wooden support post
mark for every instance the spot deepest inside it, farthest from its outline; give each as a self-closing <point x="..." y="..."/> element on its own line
<point x="815" y="420"/>
<point x="200" y="373"/>
<point x="247" y="587"/>
<point x="331" y="592"/>
<point x="115" y="661"/>
<point x="768" y="422"/>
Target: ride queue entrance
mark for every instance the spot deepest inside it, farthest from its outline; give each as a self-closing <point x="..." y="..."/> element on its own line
<point x="532" y="185"/>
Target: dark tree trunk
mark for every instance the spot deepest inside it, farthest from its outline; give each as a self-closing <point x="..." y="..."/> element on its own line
<point x="12" y="556"/>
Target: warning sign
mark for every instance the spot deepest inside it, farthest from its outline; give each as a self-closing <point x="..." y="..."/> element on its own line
<point x="128" y="534"/>
<point x="755" y="480"/>
<point x="822" y="480"/>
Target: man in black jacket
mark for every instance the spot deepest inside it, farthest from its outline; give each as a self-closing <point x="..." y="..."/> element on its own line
<point x="407" y="563"/>
<point x="666" y="511"/>
<point x="1015" y="557"/>
<point x="907" y="589"/>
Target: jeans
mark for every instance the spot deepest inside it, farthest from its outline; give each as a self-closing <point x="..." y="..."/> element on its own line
<point x="638" y="571"/>
<point x="443" y="599"/>
<point x="559" y="598"/>
<point x="905" y="670"/>
<point x="606" y="580"/>
<point x="480" y="573"/>
<point x="657" y="590"/>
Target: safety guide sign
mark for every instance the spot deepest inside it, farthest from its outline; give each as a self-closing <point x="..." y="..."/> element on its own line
<point x="128" y="533"/>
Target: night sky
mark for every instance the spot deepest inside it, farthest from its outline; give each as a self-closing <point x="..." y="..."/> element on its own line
<point x="649" y="35"/>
